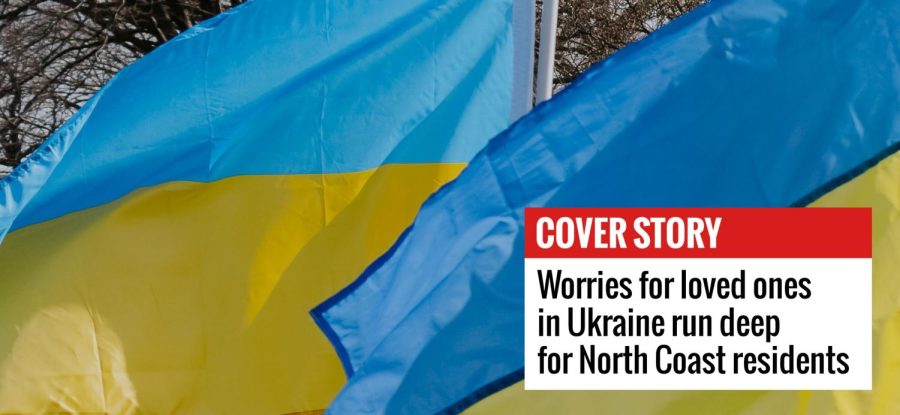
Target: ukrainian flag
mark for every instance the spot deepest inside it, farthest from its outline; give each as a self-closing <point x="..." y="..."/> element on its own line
<point x="162" y="249"/>
<point x="739" y="103"/>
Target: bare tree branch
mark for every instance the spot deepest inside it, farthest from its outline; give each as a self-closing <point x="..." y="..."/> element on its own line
<point x="591" y="30"/>
<point x="55" y="54"/>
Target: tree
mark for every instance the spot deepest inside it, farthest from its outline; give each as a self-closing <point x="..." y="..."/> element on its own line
<point x="590" y="30"/>
<point x="55" y="54"/>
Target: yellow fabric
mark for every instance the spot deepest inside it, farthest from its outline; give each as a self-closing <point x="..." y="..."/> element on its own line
<point x="194" y="298"/>
<point x="878" y="188"/>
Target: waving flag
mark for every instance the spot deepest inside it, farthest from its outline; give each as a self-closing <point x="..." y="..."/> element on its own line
<point x="740" y="103"/>
<point x="163" y="248"/>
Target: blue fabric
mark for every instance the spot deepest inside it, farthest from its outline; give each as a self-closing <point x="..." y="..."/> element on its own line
<point x="282" y="87"/>
<point x="739" y="103"/>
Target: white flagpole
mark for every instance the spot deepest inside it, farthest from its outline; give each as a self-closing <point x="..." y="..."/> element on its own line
<point x="547" y="52"/>
<point x="523" y="57"/>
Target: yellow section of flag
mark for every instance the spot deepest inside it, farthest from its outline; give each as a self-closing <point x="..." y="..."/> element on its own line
<point x="194" y="297"/>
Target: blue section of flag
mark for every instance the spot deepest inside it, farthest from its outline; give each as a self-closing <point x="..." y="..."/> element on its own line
<point x="740" y="103"/>
<point x="282" y="87"/>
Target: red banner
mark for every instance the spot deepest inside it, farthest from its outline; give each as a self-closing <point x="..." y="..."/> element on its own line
<point x="698" y="233"/>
